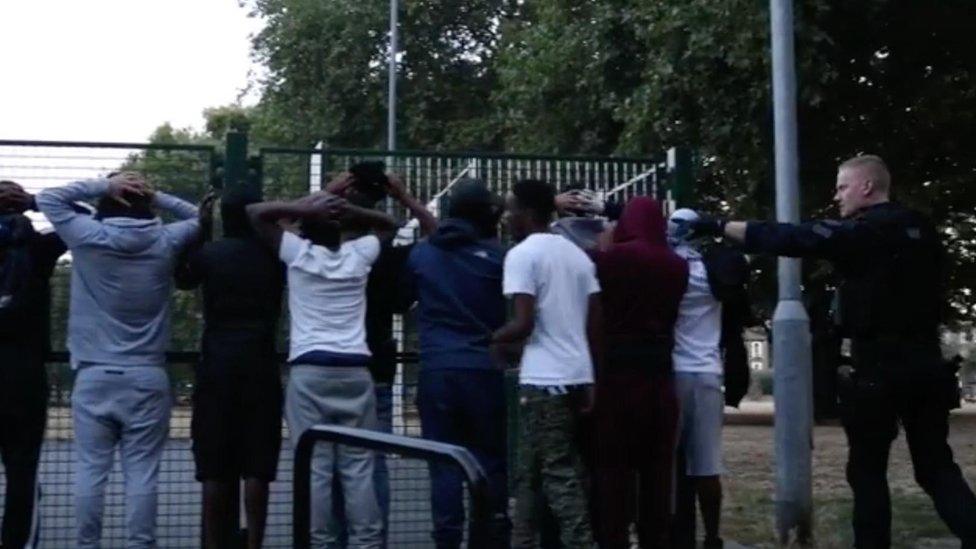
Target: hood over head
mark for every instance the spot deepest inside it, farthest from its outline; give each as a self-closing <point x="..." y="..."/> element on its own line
<point x="641" y="221"/>
<point x="454" y="232"/>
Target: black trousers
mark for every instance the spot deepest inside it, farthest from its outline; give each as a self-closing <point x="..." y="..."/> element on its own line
<point x="908" y="387"/>
<point x="23" y="413"/>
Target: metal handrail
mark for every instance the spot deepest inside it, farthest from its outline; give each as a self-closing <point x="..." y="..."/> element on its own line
<point x="409" y="447"/>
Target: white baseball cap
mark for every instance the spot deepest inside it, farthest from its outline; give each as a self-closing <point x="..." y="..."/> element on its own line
<point x="678" y="225"/>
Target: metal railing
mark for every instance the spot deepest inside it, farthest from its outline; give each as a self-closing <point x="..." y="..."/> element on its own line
<point x="405" y="447"/>
<point x="428" y="175"/>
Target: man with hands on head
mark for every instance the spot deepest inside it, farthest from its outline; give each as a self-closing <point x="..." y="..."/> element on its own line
<point x="366" y="185"/>
<point x="27" y="260"/>
<point x="327" y="268"/>
<point x="123" y="261"/>
<point x="237" y="395"/>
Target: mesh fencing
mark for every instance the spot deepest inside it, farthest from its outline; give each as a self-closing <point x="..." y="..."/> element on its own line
<point x="288" y="173"/>
<point x="184" y="171"/>
<point x="180" y="494"/>
<point x="187" y="172"/>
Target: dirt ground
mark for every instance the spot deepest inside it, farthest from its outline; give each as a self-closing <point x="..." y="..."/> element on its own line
<point x="749" y="485"/>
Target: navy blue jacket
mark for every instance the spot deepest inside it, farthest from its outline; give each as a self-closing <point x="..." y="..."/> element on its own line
<point x="456" y="278"/>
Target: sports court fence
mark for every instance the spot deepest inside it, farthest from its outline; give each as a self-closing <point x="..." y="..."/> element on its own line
<point x="188" y="171"/>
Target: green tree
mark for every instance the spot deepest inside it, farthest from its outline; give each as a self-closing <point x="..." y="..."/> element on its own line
<point x="635" y="77"/>
<point x="326" y="71"/>
<point x="892" y="78"/>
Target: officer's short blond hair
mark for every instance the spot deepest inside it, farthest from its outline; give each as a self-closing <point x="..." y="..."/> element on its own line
<point x="873" y="167"/>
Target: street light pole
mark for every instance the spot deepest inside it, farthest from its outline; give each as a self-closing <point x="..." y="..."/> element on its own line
<point x="392" y="93"/>
<point x="792" y="361"/>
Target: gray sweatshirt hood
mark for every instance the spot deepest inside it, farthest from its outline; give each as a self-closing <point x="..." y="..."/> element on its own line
<point x="133" y="236"/>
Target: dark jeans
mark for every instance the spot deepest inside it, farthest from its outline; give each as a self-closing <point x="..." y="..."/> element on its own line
<point x="466" y="408"/>
<point x="911" y="390"/>
<point x="23" y="413"/>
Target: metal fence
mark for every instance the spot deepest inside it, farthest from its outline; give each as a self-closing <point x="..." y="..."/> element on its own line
<point x="430" y="176"/>
<point x="188" y="171"/>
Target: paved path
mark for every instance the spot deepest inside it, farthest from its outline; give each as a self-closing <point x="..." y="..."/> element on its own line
<point x="179" y="501"/>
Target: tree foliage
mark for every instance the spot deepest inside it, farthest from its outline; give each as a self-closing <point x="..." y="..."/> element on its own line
<point x="328" y="61"/>
<point x="635" y="77"/>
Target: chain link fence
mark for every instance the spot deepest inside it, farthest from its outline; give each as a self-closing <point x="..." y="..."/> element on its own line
<point x="188" y="171"/>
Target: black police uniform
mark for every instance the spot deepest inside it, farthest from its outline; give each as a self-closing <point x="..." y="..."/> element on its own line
<point x="890" y="261"/>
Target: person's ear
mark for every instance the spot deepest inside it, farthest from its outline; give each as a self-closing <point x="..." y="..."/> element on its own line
<point x="867" y="187"/>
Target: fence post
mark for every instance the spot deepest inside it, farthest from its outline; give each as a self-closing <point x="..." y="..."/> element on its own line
<point x="682" y="178"/>
<point x="237" y="184"/>
<point x="237" y="187"/>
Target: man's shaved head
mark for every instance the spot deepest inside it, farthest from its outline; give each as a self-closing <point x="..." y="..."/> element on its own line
<point x="871" y="167"/>
<point x="862" y="181"/>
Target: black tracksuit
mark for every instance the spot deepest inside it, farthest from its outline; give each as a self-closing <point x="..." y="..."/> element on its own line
<point x="24" y="346"/>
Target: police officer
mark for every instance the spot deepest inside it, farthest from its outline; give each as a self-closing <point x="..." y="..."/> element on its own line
<point x="890" y="261"/>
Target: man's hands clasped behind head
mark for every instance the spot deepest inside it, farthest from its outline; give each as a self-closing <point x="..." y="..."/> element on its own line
<point x="13" y="198"/>
<point x="127" y="186"/>
<point x="323" y="206"/>
<point x="579" y="201"/>
<point x="392" y="184"/>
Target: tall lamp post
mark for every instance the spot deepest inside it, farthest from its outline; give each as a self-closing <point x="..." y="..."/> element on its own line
<point x="792" y="361"/>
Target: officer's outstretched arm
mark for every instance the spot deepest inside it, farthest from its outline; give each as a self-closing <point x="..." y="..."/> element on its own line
<point x="827" y="239"/>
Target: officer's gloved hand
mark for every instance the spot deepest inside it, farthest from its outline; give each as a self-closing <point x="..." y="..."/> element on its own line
<point x="700" y="228"/>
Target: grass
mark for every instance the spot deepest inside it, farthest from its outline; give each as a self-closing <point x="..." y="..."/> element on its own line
<point x="749" y="511"/>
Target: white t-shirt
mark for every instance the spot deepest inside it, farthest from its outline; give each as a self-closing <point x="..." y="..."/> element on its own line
<point x="699" y="327"/>
<point x="327" y="294"/>
<point x="562" y="278"/>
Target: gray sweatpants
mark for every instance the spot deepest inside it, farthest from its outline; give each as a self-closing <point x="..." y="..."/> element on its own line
<point x="128" y="408"/>
<point x="337" y="396"/>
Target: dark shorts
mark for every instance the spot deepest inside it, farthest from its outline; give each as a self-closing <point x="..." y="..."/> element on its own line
<point x="236" y="426"/>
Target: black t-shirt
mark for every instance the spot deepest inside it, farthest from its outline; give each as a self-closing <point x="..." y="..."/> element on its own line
<point x="25" y="337"/>
<point x="30" y="331"/>
<point x="382" y="297"/>
<point x="242" y="283"/>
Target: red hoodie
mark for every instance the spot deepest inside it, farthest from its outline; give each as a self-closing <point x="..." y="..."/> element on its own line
<point x="642" y="280"/>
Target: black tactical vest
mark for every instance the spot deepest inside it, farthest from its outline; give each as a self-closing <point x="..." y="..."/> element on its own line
<point x="892" y="289"/>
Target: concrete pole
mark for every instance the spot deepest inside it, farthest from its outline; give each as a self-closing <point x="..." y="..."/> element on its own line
<point x="392" y="93"/>
<point x="792" y="361"/>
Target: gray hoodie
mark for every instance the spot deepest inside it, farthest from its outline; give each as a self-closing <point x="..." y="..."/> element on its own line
<point x="121" y="276"/>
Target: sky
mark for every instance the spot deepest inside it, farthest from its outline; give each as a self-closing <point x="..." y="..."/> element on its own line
<point x="114" y="70"/>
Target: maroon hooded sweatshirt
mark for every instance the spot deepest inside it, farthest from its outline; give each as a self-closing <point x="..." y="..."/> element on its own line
<point x="642" y="284"/>
<point x="642" y="280"/>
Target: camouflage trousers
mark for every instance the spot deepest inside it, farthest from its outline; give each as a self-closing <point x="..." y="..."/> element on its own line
<point x="549" y="460"/>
